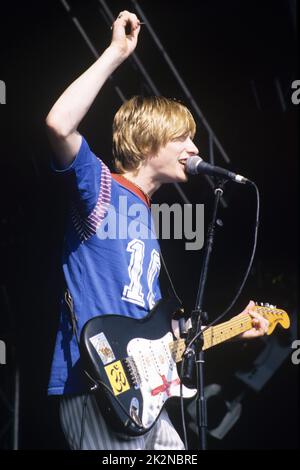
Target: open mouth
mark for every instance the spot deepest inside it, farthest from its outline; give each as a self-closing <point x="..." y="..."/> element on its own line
<point x="182" y="161"/>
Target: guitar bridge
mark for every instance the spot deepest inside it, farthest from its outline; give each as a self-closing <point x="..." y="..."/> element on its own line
<point x="132" y="371"/>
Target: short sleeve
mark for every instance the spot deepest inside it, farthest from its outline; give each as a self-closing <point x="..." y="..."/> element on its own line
<point x="83" y="179"/>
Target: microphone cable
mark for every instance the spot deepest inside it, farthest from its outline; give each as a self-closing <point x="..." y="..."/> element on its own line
<point x="222" y="315"/>
<point x="246" y="273"/>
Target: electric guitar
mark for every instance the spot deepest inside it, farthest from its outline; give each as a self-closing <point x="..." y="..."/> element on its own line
<point x="133" y="363"/>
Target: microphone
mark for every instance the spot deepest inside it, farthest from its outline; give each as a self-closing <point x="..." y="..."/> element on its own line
<point x="195" y="166"/>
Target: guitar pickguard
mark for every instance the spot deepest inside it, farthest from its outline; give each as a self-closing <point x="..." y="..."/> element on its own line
<point x="158" y="376"/>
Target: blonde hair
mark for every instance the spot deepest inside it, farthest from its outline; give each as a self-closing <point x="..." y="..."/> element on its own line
<point x="144" y="124"/>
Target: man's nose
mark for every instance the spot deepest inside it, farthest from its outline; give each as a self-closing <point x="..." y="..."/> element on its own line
<point x="192" y="148"/>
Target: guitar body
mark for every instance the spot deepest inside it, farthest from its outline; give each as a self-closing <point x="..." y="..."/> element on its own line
<point x="132" y="363"/>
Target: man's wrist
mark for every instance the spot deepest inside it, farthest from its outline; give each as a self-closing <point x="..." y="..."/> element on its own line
<point x="115" y="55"/>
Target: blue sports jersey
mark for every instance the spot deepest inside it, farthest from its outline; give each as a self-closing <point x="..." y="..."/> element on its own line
<point x="111" y="260"/>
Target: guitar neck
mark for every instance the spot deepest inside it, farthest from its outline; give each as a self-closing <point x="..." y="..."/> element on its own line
<point x="227" y="330"/>
<point x="237" y="325"/>
<point x="216" y="334"/>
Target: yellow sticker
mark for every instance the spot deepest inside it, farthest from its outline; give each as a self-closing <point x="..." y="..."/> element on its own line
<point x="117" y="377"/>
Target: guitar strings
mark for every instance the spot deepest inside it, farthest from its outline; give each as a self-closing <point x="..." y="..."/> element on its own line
<point x="233" y="324"/>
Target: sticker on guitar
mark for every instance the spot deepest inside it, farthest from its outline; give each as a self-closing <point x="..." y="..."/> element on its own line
<point x="117" y="377"/>
<point x="103" y="348"/>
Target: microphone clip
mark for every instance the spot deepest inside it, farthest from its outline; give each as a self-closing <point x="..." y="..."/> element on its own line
<point x="189" y="358"/>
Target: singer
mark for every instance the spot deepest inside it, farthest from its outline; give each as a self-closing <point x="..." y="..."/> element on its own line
<point x="152" y="140"/>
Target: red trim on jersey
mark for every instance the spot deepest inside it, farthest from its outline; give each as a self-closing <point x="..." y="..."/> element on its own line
<point x="132" y="187"/>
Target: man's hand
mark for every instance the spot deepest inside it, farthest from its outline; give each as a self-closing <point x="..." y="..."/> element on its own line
<point x="122" y="42"/>
<point x="260" y="324"/>
<point x="70" y="108"/>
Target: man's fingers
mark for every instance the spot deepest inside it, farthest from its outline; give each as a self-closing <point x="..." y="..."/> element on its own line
<point x="126" y="17"/>
<point x="259" y="322"/>
<point x="250" y="305"/>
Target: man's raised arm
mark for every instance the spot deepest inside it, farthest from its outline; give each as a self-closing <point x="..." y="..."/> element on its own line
<point x="68" y="111"/>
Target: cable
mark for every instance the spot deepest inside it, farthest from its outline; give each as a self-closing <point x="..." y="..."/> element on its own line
<point x="82" y="425"/>
<point x="98" y="382"/>
<point x="227" y="309"/>
<point x="182" y="410"/>
<point x="245" y="276"/>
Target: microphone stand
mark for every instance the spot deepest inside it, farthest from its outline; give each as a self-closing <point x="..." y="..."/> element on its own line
<point x="195" y="354"/>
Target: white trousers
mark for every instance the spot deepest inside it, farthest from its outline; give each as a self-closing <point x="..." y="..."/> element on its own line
<point x="92" y="433"/>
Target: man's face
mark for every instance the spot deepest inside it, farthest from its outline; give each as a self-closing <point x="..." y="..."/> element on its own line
<point x="169" y="163"/>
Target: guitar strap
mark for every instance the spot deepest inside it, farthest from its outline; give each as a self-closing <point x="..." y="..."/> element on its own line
<point x="73" y="319"/>
<point x="171" y="288"/>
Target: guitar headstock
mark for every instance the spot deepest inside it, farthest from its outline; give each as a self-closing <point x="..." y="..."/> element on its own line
<point x="274" y="315"/>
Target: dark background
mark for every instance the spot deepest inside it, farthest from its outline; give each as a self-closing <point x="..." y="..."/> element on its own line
<point x="231" y="55"/>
